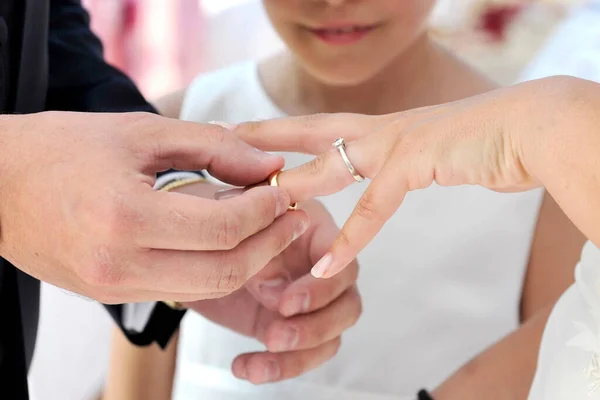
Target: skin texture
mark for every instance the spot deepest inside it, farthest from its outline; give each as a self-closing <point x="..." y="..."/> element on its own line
<point x="103" y="232"/>
<point x="396" y="68"/>
<point x="300" y="319"/>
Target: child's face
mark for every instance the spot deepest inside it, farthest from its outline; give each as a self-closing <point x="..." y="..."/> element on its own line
<point x="346" y="42"/>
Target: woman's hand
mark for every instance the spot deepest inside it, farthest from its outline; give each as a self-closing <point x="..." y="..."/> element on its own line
<point x="298" y="318"/>
<point x="503" y="140"/>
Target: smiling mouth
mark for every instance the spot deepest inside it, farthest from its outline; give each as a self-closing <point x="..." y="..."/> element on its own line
<point x="343" y="35"/>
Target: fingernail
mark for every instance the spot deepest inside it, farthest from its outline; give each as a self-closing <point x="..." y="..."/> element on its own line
<point x="271" y="372"/>
<point x="283" y="202"/>
<point x="298" y="304"/>
<point x="270" y="291"/>
<point x="301" y="228"/>
<point x="321" y="267"/>
<point x="239" y="369"/>
<point x="228" y="193"/>
<point x="226" y="125"/>
<point x="264" y="156"/>
<point x="289" y="339"/>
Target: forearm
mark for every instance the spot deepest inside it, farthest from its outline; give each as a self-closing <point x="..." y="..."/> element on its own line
<point x="562" y="146"/>
<point x="504" y="371"/>
<point x="144" y="373"/>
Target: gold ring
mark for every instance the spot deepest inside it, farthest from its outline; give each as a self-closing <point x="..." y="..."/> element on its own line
<point x="175" y="305"/>
<point x="181" y="183"/>
<point x="272" y="180"/>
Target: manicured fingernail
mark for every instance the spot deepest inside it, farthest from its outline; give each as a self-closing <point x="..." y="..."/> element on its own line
<point x="321" y="267"/>
<point x="228" y="193"/>
<point x="298" y="304"/>
<point x="226" y="125"/>
<point x="283" y="202"/>
<point x="300" y="229"/>
<point x="270" y="291"/>
<point x="239" y="369"/>
<point x="271" y="372"/>
<point x="288" y="340"/>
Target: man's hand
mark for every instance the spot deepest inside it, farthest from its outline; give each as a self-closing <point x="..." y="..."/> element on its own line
<point x="299" y="318"/>
<point x="78" y="209"/>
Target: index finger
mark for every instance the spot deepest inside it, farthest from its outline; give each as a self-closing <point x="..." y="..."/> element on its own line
<point x="328" y="174"/>
<point x="177" y="221"/>
<point x="310" y="134"/>
<point x="377" y="205"/>
<point x="190" y="146"/>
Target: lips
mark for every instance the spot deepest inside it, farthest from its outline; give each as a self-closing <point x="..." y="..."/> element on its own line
<point x="340" y="35"/>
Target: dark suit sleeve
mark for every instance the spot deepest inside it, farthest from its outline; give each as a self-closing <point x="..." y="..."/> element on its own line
<point x="80" y="80"/>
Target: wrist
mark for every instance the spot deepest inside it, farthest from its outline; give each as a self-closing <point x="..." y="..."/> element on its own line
<point x="564" y="129"/>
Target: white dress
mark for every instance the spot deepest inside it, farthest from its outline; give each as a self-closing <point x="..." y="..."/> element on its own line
<point x="569" y="359"/>
<point x="441" y="282"/>
<point x="568" y="363"/>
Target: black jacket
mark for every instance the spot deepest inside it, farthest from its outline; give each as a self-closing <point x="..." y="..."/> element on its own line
<point x="50" y="60"/>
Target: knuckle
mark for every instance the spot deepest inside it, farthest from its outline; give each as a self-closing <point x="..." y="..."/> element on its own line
<point x="249" y="126"/>
<point x="227" y="277"/>
<point x="102" y="270"/>
<point x="315" y="167"/>
<point x="228" y="232"/>
<point x="367" y="207"/>
<point x="310" y="122"/>
<point x="217" y="135"/>
<point x="116" y="218"/>
<point x="343" y="241"/>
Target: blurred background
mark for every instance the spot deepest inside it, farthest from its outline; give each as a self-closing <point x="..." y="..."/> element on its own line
<point x="163" y="44"/>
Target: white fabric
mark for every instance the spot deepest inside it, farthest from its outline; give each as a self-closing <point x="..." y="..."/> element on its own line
<point x="572" y="332"/>
<point x="574" y="49"/>
<point x="572" y="338"/>
<point x="441" y="281"/>
<point x="137" y="315"/>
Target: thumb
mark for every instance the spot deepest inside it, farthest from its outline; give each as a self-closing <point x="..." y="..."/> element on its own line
<point x="190" y="146"/>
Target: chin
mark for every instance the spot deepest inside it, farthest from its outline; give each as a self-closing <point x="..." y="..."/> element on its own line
<point x="345" y="76"/>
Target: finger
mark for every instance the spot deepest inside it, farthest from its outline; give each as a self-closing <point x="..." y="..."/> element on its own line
<point x="264" y="367"/>
<point x="311" y="134"/>
<point x="379" y="202"/>
<point x="328" y="174"/>
<point x="269" y="284"/>
<point x="311" y="330"/>
<point x="202" y="272"/>
<point x="191" y="146"/>
<point x="108" y="296"/>
<point x="308" y="293"/>
<point x="177" y="221"/>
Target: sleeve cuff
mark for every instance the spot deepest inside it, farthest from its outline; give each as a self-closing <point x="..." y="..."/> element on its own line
<point x="136" y="316"/>
<point x="169" y="177"/>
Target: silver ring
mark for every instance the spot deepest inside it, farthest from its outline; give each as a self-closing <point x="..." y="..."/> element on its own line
<point x="340" y="144"/>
